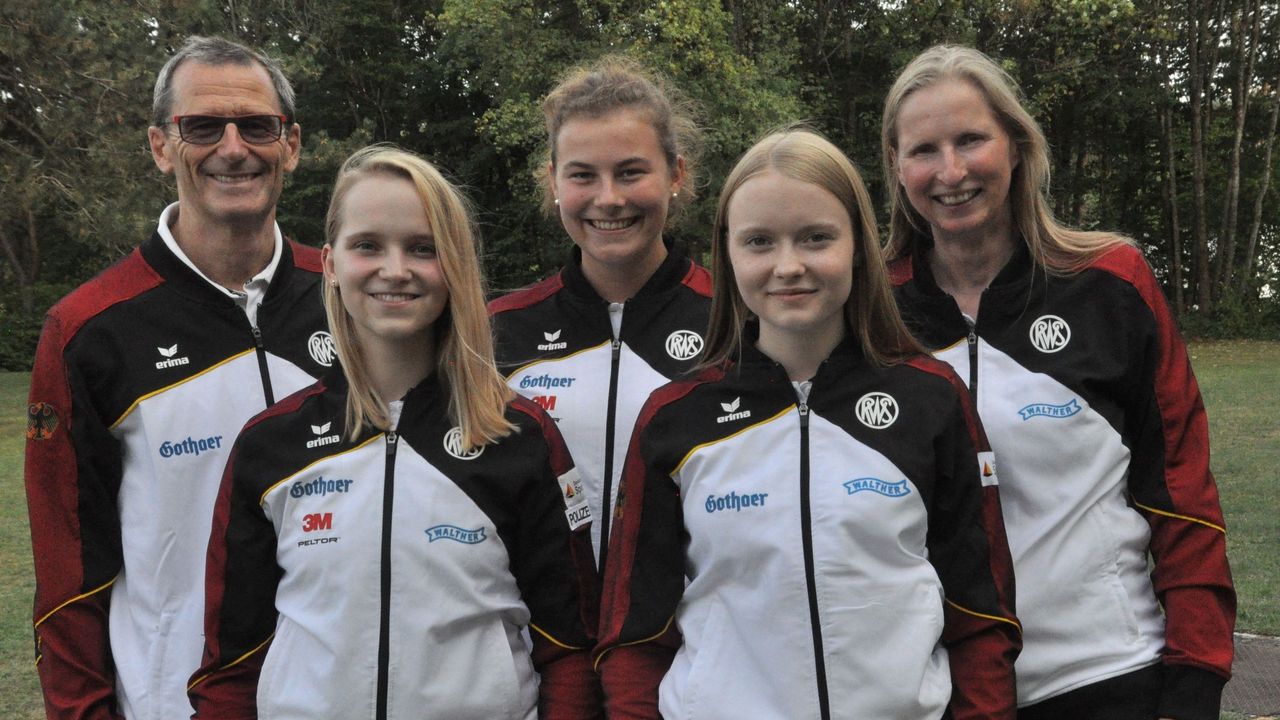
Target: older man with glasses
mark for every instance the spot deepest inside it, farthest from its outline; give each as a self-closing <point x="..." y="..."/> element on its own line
<point x="144" y="376"/>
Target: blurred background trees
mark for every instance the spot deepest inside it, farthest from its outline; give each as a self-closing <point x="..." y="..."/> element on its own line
<point x="1161" y="115"/>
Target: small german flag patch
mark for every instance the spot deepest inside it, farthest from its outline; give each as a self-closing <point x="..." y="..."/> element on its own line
<point x="42" y="420"/>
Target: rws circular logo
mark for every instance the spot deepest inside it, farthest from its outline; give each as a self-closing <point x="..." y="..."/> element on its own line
<point x="684" y="344"/>
<point x="1050" y="333"/>
<point x="876" y="410"/>
<point x="453" y="446"/>
<point x="320" y="346"/>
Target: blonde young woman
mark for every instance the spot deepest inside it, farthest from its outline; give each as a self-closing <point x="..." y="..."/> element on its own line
<point x="1085" y="388"/>
<point x="628" y="311"/>
<point x="382" y="538"/>
<point x="810" y="526"/>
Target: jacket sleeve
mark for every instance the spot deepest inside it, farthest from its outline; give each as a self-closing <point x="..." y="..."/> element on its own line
<point x="241" y="577"/>
<point x="968" y="547"/>
<point x="556" y="573"/>
<point x="643" y="582"/>
<point x="1170" y="483"/>
<point x="72" y="476"/>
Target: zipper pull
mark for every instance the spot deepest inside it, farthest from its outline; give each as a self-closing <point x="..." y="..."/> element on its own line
<point x="257" y="336"/>
<point x="804" y="415"/>
<point x="391" y="441"/>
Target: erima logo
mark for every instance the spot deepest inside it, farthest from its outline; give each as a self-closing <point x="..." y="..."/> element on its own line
<point x="321" y="438"/>
<point x="456" y="534"/>
<point x="878" y="486"/>
<point x="684" y="344"/>
<point x="1050" y="333"/>
<point x="551" y="344"/>
<point x="453" y="446"/>
<point x="1064" y="410"/>
<point x="321" y="348"/>
<point x="876" y="410"/>
<point x="170" y="360"/>
<point x="732" y="409"/>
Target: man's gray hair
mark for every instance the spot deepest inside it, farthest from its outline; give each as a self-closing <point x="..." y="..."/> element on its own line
<point x="215" y="51"/>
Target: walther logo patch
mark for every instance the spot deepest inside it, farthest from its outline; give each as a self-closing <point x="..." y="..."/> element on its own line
<point x="878" y="486"/>
<point x="1064" y="410"/>
<point x="456" y="534"/>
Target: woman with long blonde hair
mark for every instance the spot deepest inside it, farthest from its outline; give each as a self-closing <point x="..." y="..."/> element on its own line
<point x="810" y="526"/>
<point x="1077" y="368"/>
<point x="384" y="539"/>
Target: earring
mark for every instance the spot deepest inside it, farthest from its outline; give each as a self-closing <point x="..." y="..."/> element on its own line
<point x="556" y="201"/>
<point x="675" y="195"/>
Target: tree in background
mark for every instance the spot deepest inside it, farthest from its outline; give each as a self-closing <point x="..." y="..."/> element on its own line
<point x="1161" y="115"/>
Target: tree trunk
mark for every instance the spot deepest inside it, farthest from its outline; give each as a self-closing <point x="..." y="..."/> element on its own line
<point x="1198" y="38"/>
<point x="1171" y="202"/>
<point x="1244" y="34"/>
<point x="1246" y="281"/>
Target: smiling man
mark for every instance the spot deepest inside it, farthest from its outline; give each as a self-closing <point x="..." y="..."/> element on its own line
<point x="144" y="376"/>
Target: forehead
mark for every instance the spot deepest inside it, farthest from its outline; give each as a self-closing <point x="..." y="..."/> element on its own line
<point x="944" y="104"/>
<point x="384" y="204"/>
<point x="226" y="89"/>
<point x="773" y="200"/>
<point x="616" y="136"/>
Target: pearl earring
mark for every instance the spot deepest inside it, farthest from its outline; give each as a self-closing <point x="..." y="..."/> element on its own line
<point x="556" y="201"/>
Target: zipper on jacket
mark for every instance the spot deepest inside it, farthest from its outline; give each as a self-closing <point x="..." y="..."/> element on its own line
<point x="384" y="619"/>
<point x="972" y="339"/>
<point x="607" y="504"/>
<point x="806" y="532"/>
<point x="262" y="365"/>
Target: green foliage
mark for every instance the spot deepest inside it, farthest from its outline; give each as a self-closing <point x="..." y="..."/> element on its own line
<point x="460" y="81"/>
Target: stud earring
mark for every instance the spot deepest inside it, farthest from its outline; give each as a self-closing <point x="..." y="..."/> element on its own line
<point x="675" y="195"/>
<point x="556" y="201"/>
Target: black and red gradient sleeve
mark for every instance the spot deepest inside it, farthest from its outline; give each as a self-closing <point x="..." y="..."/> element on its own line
<point x="644" y="575"/>
<point x="72" y="473"/>
<point x="969" y="549"/>
<point x="1171" y="485"/>
<point x="555" y="569"/>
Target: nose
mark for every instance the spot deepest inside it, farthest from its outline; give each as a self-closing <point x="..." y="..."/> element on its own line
<point x="609" y="195"/>
<point x="953" y="167"/>
<point x="394" y="266"/>
<point x="788" y="261"/>
<point x="232" y="145"/>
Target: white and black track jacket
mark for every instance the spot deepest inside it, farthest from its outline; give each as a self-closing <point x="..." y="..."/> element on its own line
<point x="840" y="557"/>
<point x="391" y="577"/>
<point x="142" y="379"/>
<point x="1087" y="394"/>
<point x="557" y="346"/>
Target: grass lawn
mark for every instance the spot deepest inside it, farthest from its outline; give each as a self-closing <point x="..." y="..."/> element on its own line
<point x="1240" y="382"/>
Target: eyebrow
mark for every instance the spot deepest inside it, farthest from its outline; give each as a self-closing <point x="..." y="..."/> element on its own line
<point x="637" y="160"/>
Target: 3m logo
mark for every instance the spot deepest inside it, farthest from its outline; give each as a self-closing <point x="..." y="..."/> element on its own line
<point x="876" y="410"/>
<point x="322" y="439"/>
<point x="684" y="344"/>
<point x="321" y="348"/>
<point x="317" y="521"/>
<point x="170" y="361"/>
<point x="732" y="409"/>
<point x="551" y="344"/>
<point x="453" y="446"/>
<point x="546" y="402"/>
<point x="1050" y="333"/>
